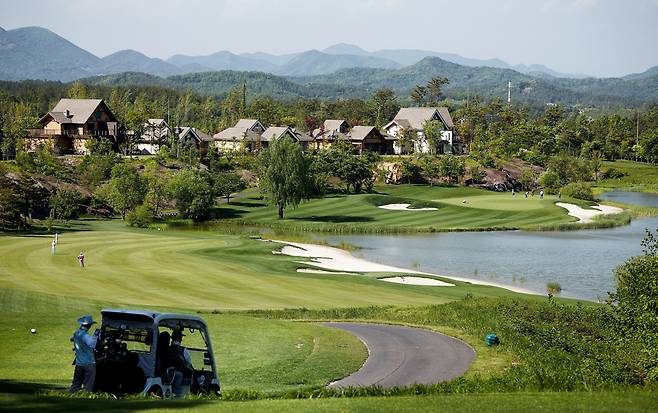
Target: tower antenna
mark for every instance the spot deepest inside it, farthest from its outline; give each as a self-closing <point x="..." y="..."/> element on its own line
<point x="509" y="92"/>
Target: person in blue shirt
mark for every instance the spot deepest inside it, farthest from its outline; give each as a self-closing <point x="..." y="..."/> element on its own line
<point x="85" y="363"/>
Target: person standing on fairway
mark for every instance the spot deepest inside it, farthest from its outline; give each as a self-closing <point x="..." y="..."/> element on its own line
<point x="53" y="245"/>
<point x="85" y="363"/>
<point x="81" y="259"/>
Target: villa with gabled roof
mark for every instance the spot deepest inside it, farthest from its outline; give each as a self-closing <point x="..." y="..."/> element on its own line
<point x="71" y="123"/>
<point x="413" y="119"/>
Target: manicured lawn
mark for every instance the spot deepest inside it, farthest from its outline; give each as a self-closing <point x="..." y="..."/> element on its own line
<point x="353" y="213"/>
<point x="612" y="402"/>
<point x="194" y="269"/>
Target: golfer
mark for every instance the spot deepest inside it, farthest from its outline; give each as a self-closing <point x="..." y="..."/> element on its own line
<point x="81" y="259"/>
<point x="53" y="246"/>
<point x="85" y="363"/>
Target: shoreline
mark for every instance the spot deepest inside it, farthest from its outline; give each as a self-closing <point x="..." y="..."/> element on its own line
<point x="336" y="259"/>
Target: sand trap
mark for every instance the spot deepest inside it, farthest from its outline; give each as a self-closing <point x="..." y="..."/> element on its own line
<point x="312" y="271"/>
<point x="330" y="258"/>
<point x="404" y="207"/>
<point x="416" y="281"/>
<point x="587" y="215"/>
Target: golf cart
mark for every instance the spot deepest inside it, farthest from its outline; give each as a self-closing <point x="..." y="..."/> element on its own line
<point x="131" y="354"/>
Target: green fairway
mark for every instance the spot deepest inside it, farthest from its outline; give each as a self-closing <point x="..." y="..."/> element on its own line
<point x="353" y="213"/>
<point x="200" y="270"/>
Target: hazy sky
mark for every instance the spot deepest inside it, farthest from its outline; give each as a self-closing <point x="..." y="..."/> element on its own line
<point x="599" y="37"/>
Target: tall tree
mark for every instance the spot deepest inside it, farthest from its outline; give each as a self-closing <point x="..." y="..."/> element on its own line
<point x="418" y="95"/>
<point x="125" y="190"/>
<point x="285" y="180"/>
<point x="384" y="106"/>
<point x="192" y="192"/>
<point x="433" y="130"/>
<point x="435" y="89"/>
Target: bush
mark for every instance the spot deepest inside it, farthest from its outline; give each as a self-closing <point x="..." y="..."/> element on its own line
<point x="612" y="173"/>
<point x="578" y="190"/>
<point x="637" y="299"/>
<point x="550" y="181"/>
<point x="140" y="217"/>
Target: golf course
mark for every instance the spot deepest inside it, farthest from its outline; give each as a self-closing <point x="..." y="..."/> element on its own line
<point x="254" y="302"/>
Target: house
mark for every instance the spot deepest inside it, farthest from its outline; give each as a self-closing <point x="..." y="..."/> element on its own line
<point x="330" y="131"/>
<point x="71" y="124"/>
<point x="156" y="132"/>
<point x="193" y="137"/>
<point x="246" y="134"/>
<point x="413" y="119"/>
<point x="368" y="138"/>
<point x="276" y="132"/>
<point x="251" y="135"/>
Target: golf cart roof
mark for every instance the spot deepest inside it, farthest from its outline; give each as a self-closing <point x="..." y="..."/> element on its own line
<point x="165" y="319"/>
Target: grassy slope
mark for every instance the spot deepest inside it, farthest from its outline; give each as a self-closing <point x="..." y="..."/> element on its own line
<point x="639" y="177"/>
<point x="200" y="270"/>
<point x="251" y="353"/>
<point x="482" y="210"/>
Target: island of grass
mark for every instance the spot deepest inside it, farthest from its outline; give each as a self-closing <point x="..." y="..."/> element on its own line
<point x="441" y="208"/>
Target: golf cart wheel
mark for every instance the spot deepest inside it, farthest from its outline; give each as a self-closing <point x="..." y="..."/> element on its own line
<point x="155" y="391"/>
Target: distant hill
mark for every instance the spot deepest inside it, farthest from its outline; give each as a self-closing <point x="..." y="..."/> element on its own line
<point x="407" y="57"/>
<point x="314" y="62"/>
<point x="37" y="53"/>
<point x="219" y="83"/>
<point x="361" y="82"/>
<point x="223" y="60"/>
<point x="133" y="61"/>
<point x="652" y="71"/>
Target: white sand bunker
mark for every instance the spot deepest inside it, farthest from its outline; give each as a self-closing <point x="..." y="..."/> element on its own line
<point x="587" y="215"/>
<point x="404" y="207"/>
<point x="314" y="271"/>
<point x="417" y="281"/>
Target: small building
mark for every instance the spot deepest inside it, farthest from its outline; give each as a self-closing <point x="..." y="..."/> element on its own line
<point x="193" y="137"/>
<point x="71" y="124"/>
<point x="330" y="131"/>
<point x="276" y="132"/>
<point x="368" y="138"/>
<point x="246" y="134"/>
<point x="156" y="132"/>
<point x="413" y="119"/>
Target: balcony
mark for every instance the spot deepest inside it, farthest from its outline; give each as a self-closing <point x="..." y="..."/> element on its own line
<point x="53" y="133"/>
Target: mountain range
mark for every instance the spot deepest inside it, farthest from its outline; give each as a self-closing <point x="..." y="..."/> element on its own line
<point x="339" y="71"/>
<point x="38" y="53"/>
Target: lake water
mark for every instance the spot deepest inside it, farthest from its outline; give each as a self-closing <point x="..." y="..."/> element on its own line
<point x="581" y="261"/>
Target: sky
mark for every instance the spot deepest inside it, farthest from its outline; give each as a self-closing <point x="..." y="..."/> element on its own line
<point x="595" y="37"/>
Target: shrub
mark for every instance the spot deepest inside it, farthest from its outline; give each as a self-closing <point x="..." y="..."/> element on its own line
<point x="578" y="190"/>
<point x="637" y="299"/>
<point x="550" y="181"/>
<point x="140" y="217"/>
<point x="612" y="173"/>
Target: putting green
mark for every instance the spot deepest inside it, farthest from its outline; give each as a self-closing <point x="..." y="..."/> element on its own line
<point x="505" y="202"/>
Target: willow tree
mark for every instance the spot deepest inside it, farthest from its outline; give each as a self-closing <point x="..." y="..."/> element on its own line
<point x="284" y="174"/>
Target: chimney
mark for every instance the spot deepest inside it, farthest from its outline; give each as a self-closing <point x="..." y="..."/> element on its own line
<point x="67" y="113"/>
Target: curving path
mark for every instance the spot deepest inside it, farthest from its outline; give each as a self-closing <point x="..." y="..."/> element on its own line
<point x="402" y="356"/>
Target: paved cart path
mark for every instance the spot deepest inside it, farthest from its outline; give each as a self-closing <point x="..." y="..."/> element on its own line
<point x="402" y="356"/>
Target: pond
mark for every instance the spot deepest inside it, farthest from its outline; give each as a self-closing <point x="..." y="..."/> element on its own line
<point x="581" y="261"/>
